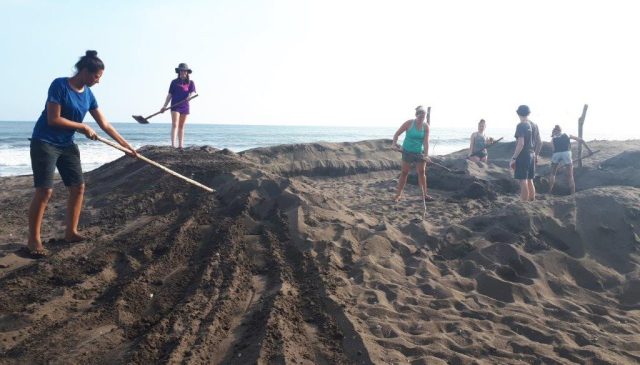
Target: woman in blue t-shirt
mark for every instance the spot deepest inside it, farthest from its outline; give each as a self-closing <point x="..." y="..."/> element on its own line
<point x="180" y="89"/>
<point x="415" y="150"/>
<point x="52" y="145"/>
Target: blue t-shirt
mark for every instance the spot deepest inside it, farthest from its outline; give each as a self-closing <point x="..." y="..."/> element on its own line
<point x="74" y="106"/>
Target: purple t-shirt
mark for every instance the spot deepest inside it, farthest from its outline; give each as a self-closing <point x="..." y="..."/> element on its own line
<point x="180" y="91"/>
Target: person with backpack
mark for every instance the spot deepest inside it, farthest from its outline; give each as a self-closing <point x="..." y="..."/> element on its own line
<point x="525" y="156"/>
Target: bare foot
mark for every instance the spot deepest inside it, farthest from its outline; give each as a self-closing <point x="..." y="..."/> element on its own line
<point x="34" y="254"/>
<point x="74" y="237"/>
<point x="35" y="246"/>
<point x="397" y="198"/>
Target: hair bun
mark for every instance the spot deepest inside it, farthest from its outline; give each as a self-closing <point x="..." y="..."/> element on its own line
<point x="91" y="53"/>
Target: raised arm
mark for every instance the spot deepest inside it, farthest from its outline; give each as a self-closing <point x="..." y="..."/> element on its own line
<point x="108" y="128"/>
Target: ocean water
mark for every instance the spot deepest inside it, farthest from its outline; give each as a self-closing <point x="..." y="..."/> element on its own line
<point x="14" y="143"/>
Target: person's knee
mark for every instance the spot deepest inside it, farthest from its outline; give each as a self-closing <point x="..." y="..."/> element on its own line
<point x="77" y="190"/>
<point x="44" y="194"/>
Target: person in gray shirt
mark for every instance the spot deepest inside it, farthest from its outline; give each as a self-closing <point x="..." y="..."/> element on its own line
<point x="525" y="156"/>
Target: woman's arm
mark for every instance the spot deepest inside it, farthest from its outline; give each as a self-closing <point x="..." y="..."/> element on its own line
<point x="108" y="128"/>
<point x="54" y="119"/>
<point x="400" y="130"/>
<point x="166" y="102"/>
<point x="580" y="140"/>
<point x="575" y="138"/>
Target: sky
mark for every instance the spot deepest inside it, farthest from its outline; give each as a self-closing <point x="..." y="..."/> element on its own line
<point x="345" y="62"/>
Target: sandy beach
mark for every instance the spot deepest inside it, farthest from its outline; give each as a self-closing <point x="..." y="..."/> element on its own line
<point x="301" y="257"/>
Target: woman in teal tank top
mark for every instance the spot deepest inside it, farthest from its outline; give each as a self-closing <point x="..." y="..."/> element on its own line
<point x="478" y="144"/>
<point x="415" y="150"/>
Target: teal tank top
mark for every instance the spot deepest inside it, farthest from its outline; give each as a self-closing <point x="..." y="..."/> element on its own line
<point x="480" y="143"/>
<point x="413" y="139"/>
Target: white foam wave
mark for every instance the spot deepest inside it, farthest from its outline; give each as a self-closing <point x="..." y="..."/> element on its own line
<point x="17" y="161"/>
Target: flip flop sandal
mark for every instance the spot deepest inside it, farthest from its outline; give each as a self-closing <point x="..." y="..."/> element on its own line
<point x="429" y="198"/>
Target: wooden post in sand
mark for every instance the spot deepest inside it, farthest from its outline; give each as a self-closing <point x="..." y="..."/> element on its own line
<point x="580" y="124"/>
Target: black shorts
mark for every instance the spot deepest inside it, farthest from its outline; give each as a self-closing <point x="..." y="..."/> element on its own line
<point x="525" y="167"/>
<point x="46" y="157"/>
<point x="412" y="157"/>
<point x="481" y="154"/>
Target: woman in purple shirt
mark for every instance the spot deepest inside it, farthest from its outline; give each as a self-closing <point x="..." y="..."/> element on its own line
<point x="179" y="89"/>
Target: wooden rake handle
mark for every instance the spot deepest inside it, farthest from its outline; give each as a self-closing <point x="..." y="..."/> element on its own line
<point x="151" y="162"/>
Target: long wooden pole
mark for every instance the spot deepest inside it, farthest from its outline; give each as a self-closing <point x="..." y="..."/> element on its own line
<point x="151" y="162"/>
<point x="580" y="126"/>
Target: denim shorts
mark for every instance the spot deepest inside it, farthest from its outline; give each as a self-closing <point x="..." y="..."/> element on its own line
<point x="46" y="157"/>
<point x="562" y="158"/>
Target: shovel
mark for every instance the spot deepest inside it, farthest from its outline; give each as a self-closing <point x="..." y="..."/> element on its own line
<point x="151" y="162"/>
<point x="142" y="120"/>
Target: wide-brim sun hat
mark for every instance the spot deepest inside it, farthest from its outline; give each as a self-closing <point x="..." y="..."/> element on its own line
<point x="183" y="67"/>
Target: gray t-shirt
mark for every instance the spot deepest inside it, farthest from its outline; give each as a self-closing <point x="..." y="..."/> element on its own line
<point x="524" y="130"/>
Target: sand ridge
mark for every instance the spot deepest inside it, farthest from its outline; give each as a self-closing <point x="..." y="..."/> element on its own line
<point x="302" y="258"/>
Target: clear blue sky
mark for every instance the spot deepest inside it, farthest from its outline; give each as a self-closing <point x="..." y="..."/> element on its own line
<point x="335" y="62"/>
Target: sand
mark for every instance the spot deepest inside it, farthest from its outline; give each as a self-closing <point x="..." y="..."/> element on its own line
<point x="302" y="258"/>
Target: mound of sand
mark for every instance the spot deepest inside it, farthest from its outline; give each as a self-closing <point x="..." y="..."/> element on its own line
<point x="301" y="258"/>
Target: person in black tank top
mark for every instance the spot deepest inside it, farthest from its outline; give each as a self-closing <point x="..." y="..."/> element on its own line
<point x="561" y="143"/>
